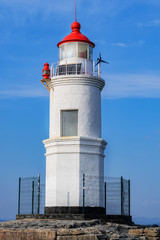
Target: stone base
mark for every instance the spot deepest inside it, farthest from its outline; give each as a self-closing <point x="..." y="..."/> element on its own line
<point x="75" y="210"/>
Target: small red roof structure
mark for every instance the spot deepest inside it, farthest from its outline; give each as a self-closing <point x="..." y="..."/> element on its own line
<point x="76" y="35"/>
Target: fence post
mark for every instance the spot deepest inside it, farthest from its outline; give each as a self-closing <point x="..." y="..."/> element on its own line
<point x="105" y="197"/>
<point x="19" y="196"/>
<point x="129" y="199"/>
<point x="38" y="194"/>
<point x="32" y="196"/>
<point x="83" y="193"/>
<point x="122" y="212"/>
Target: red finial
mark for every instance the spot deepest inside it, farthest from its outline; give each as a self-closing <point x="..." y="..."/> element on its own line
<point x="46" y="71"/>
<point x="76" y="26"/>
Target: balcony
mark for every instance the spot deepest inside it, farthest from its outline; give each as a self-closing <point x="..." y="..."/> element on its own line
<point x="80" y="68"/>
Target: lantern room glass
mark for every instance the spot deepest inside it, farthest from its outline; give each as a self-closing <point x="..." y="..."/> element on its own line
<point x="82" y="50"/>
<point x="70" y="50"/>
<point x="76" y="49"/>
<point x="62" y="52"/>
<point x="90" y="53"/>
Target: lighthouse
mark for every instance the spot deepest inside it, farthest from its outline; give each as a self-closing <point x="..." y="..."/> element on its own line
<point x="75" y="147"/>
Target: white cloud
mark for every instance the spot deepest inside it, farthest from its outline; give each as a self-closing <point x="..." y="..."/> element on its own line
<point x="102" y="42"/>
<point x="132" y="85"/>
<point x="50" y="7"/>
<point x="139" y="43"/>
<point x="119" y="44"/>
<point x="153" y="23"/>
<point x="117" y="86"/>
<point x="23" y="92"/>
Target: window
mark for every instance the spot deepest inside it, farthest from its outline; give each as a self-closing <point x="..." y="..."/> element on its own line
<point x="69" y="123"/>
<point x="62" y="52"/>
<point x="82" y="50"/>
<point x="70" y="50"/>
<point x="90" y="53"/>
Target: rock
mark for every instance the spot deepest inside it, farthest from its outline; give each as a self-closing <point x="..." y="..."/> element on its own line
<point x="136" y="232"/>
<point x="152" y="232"/>
<point x="42" y="229"/>
<point x="80" y="237"/>
<point x="27" y="234"/>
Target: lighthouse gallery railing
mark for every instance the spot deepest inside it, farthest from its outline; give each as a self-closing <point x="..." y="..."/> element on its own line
<point x="75" y="69"/>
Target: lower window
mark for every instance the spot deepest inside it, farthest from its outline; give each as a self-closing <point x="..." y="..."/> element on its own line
<point x="69" y="123"/>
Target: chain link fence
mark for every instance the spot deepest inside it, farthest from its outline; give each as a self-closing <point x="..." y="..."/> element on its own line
<point x="110" y="193"/>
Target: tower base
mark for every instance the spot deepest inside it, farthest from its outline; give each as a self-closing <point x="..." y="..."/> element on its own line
<point x="75" y="210"/>
<point x="72" y="162"/>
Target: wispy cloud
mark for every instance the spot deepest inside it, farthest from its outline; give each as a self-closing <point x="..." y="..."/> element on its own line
<point x="102" y="42"/>
<point x="23" y="92"/>
<point x="21" y="8"/>
<point x="132" y="85"/>
<point x="153" y="23"/>
<point x="139" y="43"/>
<point x="117" y="86"/>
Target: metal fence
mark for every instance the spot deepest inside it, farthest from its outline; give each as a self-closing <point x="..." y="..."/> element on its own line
<point x="117" y="196"/>
<point x="111" y="193"/>
<point x="31" y="197"/>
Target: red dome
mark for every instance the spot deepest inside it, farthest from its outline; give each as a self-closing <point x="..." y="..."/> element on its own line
<point x="76" y="35"/>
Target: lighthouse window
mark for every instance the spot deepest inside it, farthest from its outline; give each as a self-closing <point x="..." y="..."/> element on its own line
<point x="82" y="50"/>
<point x="69" y="122"/>
<point x="62" y="52"/>
<point x="90" y="53"/>
<point x="70" y="50"/>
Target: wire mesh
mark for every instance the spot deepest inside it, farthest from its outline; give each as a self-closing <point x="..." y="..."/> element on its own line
<point x="107" y="192"/>
<point x="115" y="198"/>
<point x="42" y="198"/>
<point x="125" y="197"/>
<point x="31" y="196"/>
<point x="94" y="191"/>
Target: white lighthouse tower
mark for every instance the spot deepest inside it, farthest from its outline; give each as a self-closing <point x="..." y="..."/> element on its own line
<point x="75" y="147"/>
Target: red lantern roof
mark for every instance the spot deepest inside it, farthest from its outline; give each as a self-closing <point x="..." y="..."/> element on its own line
<point x="76" y="35"/>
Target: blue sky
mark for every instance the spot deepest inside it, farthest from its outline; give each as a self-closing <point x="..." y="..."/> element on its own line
<point x="127" y="33"/>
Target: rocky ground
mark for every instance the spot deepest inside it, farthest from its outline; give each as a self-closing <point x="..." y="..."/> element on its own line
<point x="74" y="230"/>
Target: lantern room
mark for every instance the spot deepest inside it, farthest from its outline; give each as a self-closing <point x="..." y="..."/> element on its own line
<point x="75" y="53"/>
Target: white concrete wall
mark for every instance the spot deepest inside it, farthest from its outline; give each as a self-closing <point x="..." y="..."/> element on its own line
<point x="68" y="158"/>
<point x="51" y="120"/>
<point x="66" y="161"/>
<point x="85" y="97"/>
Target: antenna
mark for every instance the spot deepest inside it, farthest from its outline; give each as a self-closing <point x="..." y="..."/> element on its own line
<point x="75" y="12"/>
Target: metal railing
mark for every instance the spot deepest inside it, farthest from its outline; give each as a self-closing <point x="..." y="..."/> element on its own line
<point x="68" y="68"/>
